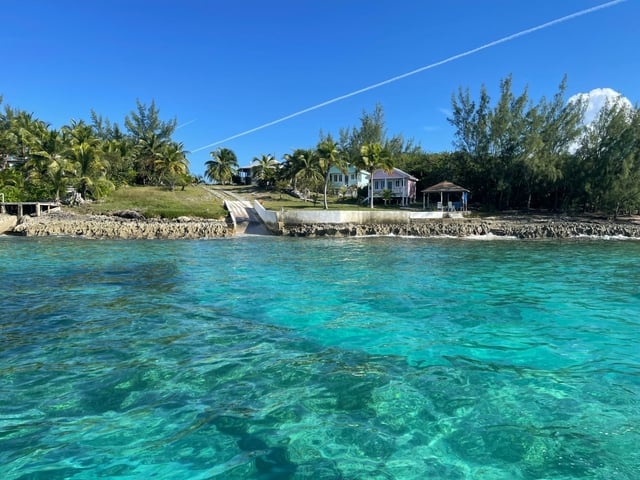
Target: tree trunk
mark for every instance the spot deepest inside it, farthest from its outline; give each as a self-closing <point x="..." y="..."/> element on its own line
<point x="371" y="190"/>
<point x="326" y="183"/>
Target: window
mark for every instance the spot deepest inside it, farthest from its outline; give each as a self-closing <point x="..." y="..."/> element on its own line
<point x="398" y="183"/>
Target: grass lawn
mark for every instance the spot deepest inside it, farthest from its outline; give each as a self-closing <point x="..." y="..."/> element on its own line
<point x="276" y="201"/>
<point x="159" y="202"/>
<point x="199" y="201"/>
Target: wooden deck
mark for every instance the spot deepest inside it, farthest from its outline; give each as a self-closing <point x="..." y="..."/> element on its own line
<point x="27" y="208"/>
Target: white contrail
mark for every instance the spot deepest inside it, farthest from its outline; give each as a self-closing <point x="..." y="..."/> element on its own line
<point x="185" y="124"/>
<point x="419" y="70"/>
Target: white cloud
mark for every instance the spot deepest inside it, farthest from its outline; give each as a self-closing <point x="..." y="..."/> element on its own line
<point x="595" y="100"/>
<point x="598" y="98"/>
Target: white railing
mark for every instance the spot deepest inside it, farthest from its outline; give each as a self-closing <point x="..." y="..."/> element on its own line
<point x="394" y="191"/>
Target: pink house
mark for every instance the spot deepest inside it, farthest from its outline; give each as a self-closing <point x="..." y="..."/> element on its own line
<point x="401" y="184"/>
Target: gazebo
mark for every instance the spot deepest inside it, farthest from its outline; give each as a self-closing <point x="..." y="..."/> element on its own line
<point x="448" y="191"/>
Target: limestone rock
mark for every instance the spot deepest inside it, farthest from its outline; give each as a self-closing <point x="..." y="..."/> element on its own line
<point x="132" y="214"/>
<point x="523" y="229"/>
<point x="7" y="223"/>
<point x="99" y="226"/>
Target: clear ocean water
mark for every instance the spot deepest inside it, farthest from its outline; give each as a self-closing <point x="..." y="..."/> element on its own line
<point x="276" y="358"/>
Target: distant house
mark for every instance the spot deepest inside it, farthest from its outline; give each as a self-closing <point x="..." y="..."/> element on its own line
<point x="351" y="178"/>
<point x="401" y="184"/>
<point x="10" y="161"/>
<point x="243" y="176"/>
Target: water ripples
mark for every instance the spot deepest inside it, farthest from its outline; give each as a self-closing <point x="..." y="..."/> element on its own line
<point x="367" y="358"/>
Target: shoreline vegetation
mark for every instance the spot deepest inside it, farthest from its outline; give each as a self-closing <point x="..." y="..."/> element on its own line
<point x="199" y="213"/>
<point x="509" y="153"/>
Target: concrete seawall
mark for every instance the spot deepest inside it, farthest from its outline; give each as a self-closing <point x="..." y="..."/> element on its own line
<point x="358" y="217"/>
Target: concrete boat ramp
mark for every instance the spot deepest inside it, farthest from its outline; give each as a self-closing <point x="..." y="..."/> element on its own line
<point x="244" y="216"/>
<point x="246" y="219"/>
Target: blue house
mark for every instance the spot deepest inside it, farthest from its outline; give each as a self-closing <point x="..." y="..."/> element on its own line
<point x="350" y="178"/>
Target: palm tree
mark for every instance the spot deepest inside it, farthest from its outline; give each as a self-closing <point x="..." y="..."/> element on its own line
<point x="87" y="166"/>
<point x="329" y="155"/>
<point x="85" y="154"/>
<point x="373" y="157"/>
<point x="6" y="140"/>
<point x="172" y="164"/>
<point x="309" y="174"/>
<point x="45" y="148"/>
<point x="48" y="149"/>
<point x="150" y="135"/>
<point x="222" y="166"/>
<point x="59" y="172"/>
<point x="27" y="130"/>
<point x="47" y="166"/>
<point x="79" y="132"/>
<point x="291" y="165"/>
<point x="12" y="183"/>
<point x="148" y="151"/>
<point x="118" y="153"/>
<point x="264" y="169"/>
<point x="20" y="136"/>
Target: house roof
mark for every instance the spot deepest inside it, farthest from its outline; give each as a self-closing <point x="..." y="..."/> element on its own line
<point x="445" y="187"/>
<point x="395" y="173"/>
<point x="335" y="169"/>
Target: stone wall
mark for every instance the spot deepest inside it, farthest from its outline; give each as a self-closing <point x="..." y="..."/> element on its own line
<point x="100" y="226"/>
<point x="466" y="228"/>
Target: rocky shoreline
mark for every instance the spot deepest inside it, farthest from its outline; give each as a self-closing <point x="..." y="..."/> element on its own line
<point x="129" y="225"/>
<point x="118" y="227"/>
<point x="527" y="228"/>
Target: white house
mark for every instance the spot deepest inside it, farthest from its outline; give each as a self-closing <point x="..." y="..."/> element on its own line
<point x="401" y="184"/>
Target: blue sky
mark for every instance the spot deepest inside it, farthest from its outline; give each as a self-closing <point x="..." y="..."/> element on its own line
<point x="225" y="67"/>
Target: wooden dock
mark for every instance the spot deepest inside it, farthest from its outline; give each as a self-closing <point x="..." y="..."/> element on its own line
<point x="27" y="208"/>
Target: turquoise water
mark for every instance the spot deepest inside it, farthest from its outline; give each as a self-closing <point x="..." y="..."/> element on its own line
<point x="275" y="358"/>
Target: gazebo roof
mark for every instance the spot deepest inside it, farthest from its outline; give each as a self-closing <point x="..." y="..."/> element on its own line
<point x="444" y="187"/>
